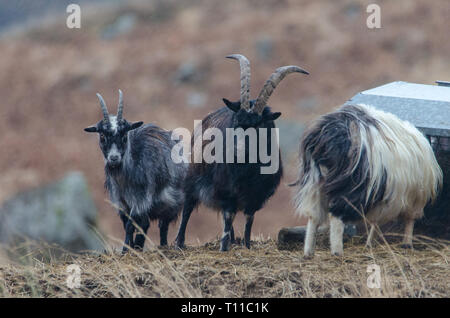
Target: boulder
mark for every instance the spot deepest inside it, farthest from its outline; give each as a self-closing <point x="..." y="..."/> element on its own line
<point x="264" y="48"/>
<point x="293" y="237"/>
<point x="196" y="100"/>
<point x="189" y="72"/>
<point x="122" y="25"/>
<point x="290" y="132"/>
<point x="61" y="213"/>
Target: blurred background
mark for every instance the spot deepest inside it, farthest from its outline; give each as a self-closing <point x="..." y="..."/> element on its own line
<point x="169" y="59"/>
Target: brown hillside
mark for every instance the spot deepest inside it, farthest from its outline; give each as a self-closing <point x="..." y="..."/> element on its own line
<point x="49" y="76"/>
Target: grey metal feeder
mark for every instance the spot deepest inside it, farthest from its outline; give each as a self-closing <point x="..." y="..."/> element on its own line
<point x="425" y="106"/>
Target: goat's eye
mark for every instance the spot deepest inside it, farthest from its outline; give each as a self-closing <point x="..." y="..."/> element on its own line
<point x="102" y="137"/>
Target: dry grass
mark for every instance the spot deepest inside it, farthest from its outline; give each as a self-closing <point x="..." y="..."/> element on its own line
<point x="263" y="271"/>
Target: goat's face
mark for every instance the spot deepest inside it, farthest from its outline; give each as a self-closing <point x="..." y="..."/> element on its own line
<point x="246" y="119"/>
<point x="113" y="134"/>
<point x="113" y="139"/>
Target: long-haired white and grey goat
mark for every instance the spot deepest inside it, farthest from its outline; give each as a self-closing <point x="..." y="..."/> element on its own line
<point x="141" y="178"/>
<point x="361" y="162"/>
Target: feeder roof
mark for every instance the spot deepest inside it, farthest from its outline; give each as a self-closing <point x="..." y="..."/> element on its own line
<point x="425" y="106"/>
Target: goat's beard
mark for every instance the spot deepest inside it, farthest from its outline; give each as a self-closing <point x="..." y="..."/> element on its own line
<point x="113" y="167"/>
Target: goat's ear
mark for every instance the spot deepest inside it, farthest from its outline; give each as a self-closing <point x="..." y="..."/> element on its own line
<point x="272" y="116"/>
<point x="136" y="125"/>
<point x="233" y="106"/>
<point x="91" y="129"/>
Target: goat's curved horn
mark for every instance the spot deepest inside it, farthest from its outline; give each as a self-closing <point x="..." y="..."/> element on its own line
<point x="104" y="108"/>
<point x="272" y="83"/>
<point x="245" y="79"/>
<point x="120" y="106"/>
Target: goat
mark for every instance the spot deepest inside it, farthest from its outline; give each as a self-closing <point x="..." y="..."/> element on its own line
<point x="141" y="178"/>
<point x="362" y="163"/>
<point x="232" y="187"/>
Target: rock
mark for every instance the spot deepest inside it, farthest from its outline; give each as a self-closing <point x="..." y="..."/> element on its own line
<point x="122" y="25"/>
<point x="196" y="100"/>
<point x="308" y="104"/>
<point x="290" y="133"/>
<point x="61" y="213"/>
<point x="188" y="72"/>
<point x="264" y="48"/>
<point x="293" y="236"/>
<point x="353" y="10"/>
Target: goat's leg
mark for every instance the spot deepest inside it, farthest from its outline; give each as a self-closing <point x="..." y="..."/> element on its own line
<point x="336" y="236"/>
<point x="317" y="216"/>
<point x="233" y="240"/>
<point x="144" y="224"/>
<point x="248" y="228"/>
<point x="187" y="210"/>
<point x="310" y="239"/>
<point x="163" y="230"/>
<point x="225" y="242"/>
<point x="129" y="232"/>
<point x="407" y="238"/>
<point x="124" y="218"/>
<point x="370" y="236"/>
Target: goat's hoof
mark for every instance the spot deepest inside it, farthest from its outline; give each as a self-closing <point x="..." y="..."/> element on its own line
<point x="337" y="252"/>
<point x="180" y="246"/>
<point x="225" y="244"/>
<point x="139" y="246"/>
<point x="406" y="246"/>
<point x="308" y="256"/>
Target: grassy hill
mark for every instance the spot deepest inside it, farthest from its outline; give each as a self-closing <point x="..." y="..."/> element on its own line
<point x="263" y="271"/>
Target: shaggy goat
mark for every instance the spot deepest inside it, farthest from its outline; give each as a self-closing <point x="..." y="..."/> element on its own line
<point x="362" y="162"/>
<point x="231" y="187"/>
<point x="141" y="178"/>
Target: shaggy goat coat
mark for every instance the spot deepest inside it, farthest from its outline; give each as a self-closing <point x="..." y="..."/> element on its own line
<point x="149" y="182"/>
<point x="232" y="187"/>
<point x="238" y="186"/>
<point x="362" y="161"/>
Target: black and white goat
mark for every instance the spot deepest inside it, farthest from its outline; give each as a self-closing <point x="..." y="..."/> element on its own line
<point x="362" y="162"/>
<point x="232" y="187"/>
<point x="141" y="178"/>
